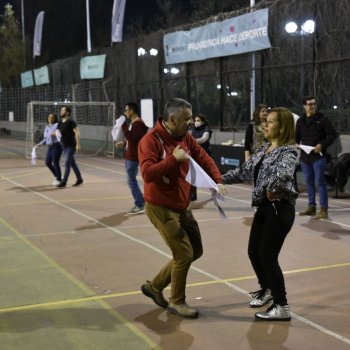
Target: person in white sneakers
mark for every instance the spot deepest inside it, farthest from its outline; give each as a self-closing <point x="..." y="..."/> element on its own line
<point x="271" y="169"/>
<point x="54" y="148"/>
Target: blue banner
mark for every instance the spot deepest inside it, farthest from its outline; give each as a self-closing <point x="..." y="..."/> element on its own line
<point x="92" y="67"/>
<point x="41" y="75"/>
<point x="233" y="36"/>
<point x="27" y="79"/>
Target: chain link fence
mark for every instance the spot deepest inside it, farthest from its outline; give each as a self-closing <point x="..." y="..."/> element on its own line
<point x="295" y="66"/>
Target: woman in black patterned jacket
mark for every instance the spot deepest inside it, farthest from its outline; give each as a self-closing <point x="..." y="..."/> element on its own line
<point x="274" y="195"/>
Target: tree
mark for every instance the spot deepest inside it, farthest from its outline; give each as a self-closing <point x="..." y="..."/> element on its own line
<point x="12" y="53"/>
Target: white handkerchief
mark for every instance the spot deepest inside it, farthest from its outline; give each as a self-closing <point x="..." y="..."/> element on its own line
<point x="34" y="156"/>
<point x="58" y="135"/>
<point x="196" y="176"/>
<point x="117" y="131"/>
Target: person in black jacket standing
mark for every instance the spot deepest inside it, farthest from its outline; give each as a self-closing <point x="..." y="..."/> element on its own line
<point x="316" y="130"/>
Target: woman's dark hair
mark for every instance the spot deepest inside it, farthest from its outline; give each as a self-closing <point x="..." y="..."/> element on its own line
<point x="55" y="119"/>
<point x="202" y="118"/>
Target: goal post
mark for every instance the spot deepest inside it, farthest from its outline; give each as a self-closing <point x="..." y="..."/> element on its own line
<point x="94" y="119"/>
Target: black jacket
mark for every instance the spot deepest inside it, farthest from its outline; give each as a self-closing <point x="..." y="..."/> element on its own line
<point x="311" y="131"/>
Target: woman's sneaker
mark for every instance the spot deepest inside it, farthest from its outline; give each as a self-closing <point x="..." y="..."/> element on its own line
<point x="275" y="313"/>
<point x="261" y="297"/>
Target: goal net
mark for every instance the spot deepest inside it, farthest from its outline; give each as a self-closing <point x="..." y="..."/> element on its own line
<point x="94" y="119"/>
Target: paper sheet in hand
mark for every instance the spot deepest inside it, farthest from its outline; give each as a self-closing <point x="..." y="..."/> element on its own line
<point x="34" y="156"/>
<point x="308" y="149"/>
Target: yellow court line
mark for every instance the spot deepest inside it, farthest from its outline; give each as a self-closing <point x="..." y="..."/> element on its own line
<point x="85" y="289"/>
<point x="123" y="294"/>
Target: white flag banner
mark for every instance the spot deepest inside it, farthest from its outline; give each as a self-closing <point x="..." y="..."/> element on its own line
<point x="118" y="20"/>
<point x="38" y="32"/>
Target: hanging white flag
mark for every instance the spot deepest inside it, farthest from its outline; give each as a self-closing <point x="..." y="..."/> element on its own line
<point x="118" y="20"/>
<point x="38" y="31"/>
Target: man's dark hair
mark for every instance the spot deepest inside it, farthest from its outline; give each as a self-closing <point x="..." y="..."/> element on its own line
<point x="175" y="106"/>
<point x="68" y="109"/>
<point x="133" y="106"/>
<point x="307" y="98"/>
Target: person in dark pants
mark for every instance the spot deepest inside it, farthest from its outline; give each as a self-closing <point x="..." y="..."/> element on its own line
<point x="54" y="148"/>
<point x="202" y="133"/>
<point x="71" y="143"/>
<point x="274" y="195"/>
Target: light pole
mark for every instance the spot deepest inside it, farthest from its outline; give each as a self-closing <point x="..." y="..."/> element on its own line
<point x="88" y="26"/>
<point x="22" y="15"/>
<point x="252" y="77"/>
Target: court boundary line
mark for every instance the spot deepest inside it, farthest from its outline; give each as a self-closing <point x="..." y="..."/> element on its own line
<point x="104" y="305"/>
<point x="201" y="271"/>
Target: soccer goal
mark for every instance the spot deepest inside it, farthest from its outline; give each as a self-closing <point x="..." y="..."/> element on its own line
<point x="94" y="119"/>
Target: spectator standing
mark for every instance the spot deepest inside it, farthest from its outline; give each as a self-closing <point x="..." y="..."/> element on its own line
<point x="254" y="136"/>
<point x="134" y="130"/>
<point x="314" y="129"/>
<point x="202" y="133"/>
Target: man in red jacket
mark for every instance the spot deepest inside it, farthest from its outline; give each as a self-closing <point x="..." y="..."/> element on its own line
<point x="164" y="159"/>
<point x="133" y="133"/>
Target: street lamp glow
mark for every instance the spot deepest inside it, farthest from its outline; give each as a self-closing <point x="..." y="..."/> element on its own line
<point x="141" y="51"/>
<point x="174" y="70"/>
<point x="218" y="86"/>
<point x="291" y="27"/>
<point x="308" y="26"/>
<point x="153" y="52"/>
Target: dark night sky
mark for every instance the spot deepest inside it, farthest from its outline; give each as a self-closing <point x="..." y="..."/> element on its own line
<point x="64" y="31"/>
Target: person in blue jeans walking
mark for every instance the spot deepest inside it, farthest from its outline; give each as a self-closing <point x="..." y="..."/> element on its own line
<point x="314" y="129"/>
<point x="71" y="143"/>
<point x="134" y="129"/>
<point x="54" y="148"/>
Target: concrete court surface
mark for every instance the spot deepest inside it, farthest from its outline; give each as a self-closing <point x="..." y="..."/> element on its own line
<point x="72" y="263"/>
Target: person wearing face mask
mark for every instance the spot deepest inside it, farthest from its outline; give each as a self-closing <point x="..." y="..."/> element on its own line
<point x="202" y="133"/>
<point x="164" y="160"/>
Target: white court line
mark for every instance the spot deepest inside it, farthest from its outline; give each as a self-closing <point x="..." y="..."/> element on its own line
<point x="159" y="251"/>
